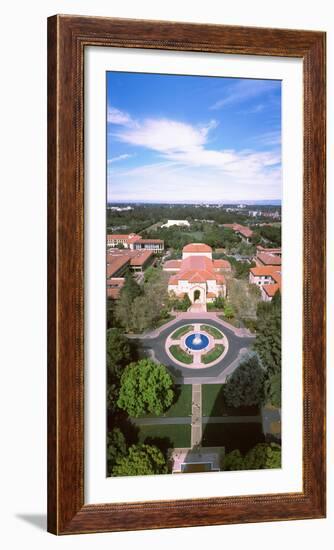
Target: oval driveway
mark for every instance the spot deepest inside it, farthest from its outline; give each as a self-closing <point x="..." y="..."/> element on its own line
<point x="157" y="345"/>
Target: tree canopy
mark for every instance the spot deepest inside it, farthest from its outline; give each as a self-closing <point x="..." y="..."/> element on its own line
<point x="116" y="447"/>
<point x="268" y="336"/>
<point x="146" y="387"/>
<point x="243" y="297"/>
<point x="262" y="456"/>
<point x="141" y="460"/>
<point x="244" y="387"/>
<point x="272" y="389"/>
<point x="118" y="351"/>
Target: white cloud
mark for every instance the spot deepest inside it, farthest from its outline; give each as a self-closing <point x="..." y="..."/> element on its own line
<point x="244" y="90"/>
<point x="164" y="135"/>
<point x="115" y="116"/>
<point x="269" y="139"/>
<point x="168" y="182"/>
<point x="120" y="157"/>
<point x="189" y="169"/>
<point x="185" y="144"/>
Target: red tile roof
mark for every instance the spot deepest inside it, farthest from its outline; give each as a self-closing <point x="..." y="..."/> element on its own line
<point x="114" y="264"/>
<point x="196" y="269"/>
<point x="151" y="241"/>
<point x="197" y="277"/>
<point x="268" y="259"/>
<point x="262" y="270"/>
<point x="117" y="258"/>
<point x="221" y="264"/>
<point x="131" y="237"/>
<point x="271" y="290"/>
<point x="269" y="250"/>
<point x="242" y="229"/>
<point x="114" y="287"/>
<point x="172" y="264"/>
<point x="197" y="248"/>
<point x="140" y="257"/>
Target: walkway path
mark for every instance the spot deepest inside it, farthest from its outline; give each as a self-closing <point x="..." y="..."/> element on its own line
<point x="196" y="415"/>
<point x="158" y="421"/>
<point x="188" y="315"/>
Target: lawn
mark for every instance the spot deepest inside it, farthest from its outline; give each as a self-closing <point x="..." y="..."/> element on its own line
<point x="181" y="355"/>
<point x="213" y="354"/>
<point x="232" y="436"/>
<point x="233" y="321"/>
<point x="181" y="332"/>
<point x="182" y="405"/>
<point x="165" y="435"/>
<point x="197" y="235"/>
<point x="163" y="321"/>
<point x="213" y="403"/>
<point x="214" y="332"/>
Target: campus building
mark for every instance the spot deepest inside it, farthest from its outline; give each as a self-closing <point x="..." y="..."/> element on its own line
<point x="267" y="272"/>
<point x="197" y="274"/>
<point x="180" y="223"/>
<point x="119" y="262"/>
<point x="244" y="232"/>
<point x="268" y="256"/>
<point x="133" y="241"/>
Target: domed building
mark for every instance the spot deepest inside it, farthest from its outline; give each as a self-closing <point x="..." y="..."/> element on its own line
<point x="197" y="274"/>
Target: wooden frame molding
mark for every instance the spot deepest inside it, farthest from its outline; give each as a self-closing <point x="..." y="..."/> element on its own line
<point x="67" y="38"/>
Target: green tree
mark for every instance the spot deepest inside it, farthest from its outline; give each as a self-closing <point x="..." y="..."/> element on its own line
<point x="268" y="338"/>
<point x="229" y="311"/>
<point x="263" y="455"/>
<point x="112" y="394"/>
<point x="130" y="287"/>
<point x="244" y="386"/>
<point x="272" y="389"/>
<point x="116" y="448"/>
<point x="141" y="460"/>
<point x="255" y="238"/>
<point x="146" y="387"/>
<point x="233" y="461"/>
<point x="244" y="298"/>
<point x="219" y="302"/>
<point x="118" y="351"/>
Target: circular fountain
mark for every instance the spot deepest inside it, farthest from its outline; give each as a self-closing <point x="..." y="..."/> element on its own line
<point x="196" y="341"/>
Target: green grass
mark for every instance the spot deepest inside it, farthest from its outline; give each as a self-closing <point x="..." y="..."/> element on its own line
<point x="165" y="435"/>
<point x="213" y="354"/>
<point x="213" y="403"/>
<point x="232" y="436"/>
<point x="162" y="322"/>
<point x="214" y="332"/>
<point x="198" y="235"/>
<point x="181" y="332"/>
<point x="181" y="355"/>
<point x="233" y="321"/>
<point x="182" y="404"/>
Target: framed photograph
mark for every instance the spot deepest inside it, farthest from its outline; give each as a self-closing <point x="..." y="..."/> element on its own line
<point x="186" y="274"/>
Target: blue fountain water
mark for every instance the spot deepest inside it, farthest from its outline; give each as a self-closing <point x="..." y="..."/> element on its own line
<point x="196" y="341"/>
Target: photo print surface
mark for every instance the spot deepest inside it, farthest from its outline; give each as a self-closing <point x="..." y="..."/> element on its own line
<point x="193" y="274"/>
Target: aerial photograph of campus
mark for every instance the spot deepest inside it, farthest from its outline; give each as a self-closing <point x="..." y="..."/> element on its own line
<point x="193" y="274"/>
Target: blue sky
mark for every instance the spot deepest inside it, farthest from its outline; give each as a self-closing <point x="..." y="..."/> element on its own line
<point x="174" y="138"/>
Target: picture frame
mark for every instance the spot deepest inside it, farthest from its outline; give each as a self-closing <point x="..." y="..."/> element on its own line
<point x="68" y="36"/>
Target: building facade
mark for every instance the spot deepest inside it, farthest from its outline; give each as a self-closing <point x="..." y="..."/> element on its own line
<point x="197" y="274"/>
<point x="133" y="241"/>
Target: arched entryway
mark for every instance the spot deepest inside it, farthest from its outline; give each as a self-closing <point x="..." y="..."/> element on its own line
<point x="197" y="295"/>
